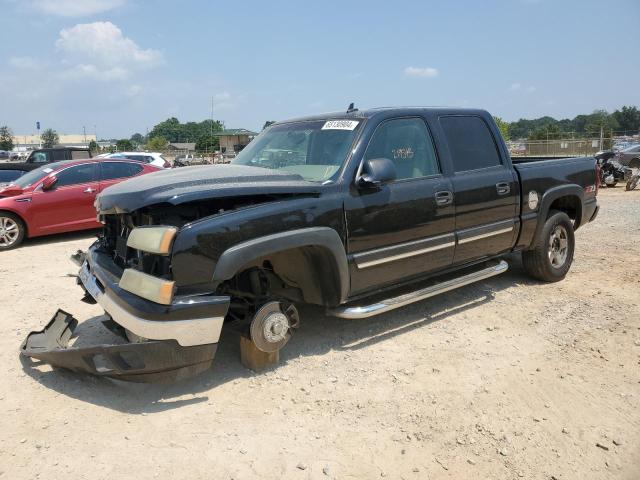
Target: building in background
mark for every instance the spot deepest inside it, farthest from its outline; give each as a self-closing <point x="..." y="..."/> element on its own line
<point x="24" y="142"/>
<point x="234" y="140"/>
<point x="181" y="147"/>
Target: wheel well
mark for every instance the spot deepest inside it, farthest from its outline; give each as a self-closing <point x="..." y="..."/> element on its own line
<point x="569" y="204"/>
<point x="26" y="227"/>
<point x="304" y="274"/>
<point x="634" y="163"/>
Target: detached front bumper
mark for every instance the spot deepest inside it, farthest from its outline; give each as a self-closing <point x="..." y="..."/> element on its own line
<point x="151" y="361"/>
<point x="178" y="340"/>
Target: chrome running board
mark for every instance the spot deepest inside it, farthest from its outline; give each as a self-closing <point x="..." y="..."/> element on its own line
<point x="356" y="312"/>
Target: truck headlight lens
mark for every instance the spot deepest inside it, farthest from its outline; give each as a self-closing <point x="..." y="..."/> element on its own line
<point x="152" y="239"/>
<point x="147" y="286"/>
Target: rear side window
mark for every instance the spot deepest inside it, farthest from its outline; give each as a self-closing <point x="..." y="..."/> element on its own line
<point x="407" y="143"/>
<point x="470" y="142"/>
<point x="58" y="155"/>
<point x="79" y="155"/>
<point x="75" y="175"/>
<point x="112" y="170"/>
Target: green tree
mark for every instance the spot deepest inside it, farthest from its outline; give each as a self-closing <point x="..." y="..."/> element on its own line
<point x="49" y="138"/>
<point x="174" y="131"/>
<point x="6" y="138"/>
<point x="157" y="143"/>
<point x="628" y="119"/>
<point x="207" y="143"/>
<point x="137" y="139"/>
<point x="503" y="127"/>
<point x="124" y="145"/>
<point x="93" y="146"/>
<point x="268" y="123"/>
<point x="600" y="121"/>
<point x="548" y="131"/>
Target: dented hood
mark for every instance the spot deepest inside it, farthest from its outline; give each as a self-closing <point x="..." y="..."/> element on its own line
<point x="181" y="185"/>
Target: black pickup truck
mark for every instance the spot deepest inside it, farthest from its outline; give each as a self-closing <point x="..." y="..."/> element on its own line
<point x="360" y="212"/>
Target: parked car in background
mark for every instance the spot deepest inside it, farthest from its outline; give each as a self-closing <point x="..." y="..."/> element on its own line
<point x="152" y="158"/>
<point x="11" y="171"/>
<point x="4" y="155"/>
<point x="59" y="197"/>
<point x="57" y="154"/>
<point x="629" y="157"/>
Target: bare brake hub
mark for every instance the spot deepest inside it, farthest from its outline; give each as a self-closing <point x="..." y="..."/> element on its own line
<point x="271" y="326"/>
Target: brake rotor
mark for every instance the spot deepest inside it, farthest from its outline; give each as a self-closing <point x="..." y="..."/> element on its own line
<point x="271" y="326"/>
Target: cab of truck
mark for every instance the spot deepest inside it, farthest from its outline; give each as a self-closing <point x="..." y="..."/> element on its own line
<point x="57" y="154"/>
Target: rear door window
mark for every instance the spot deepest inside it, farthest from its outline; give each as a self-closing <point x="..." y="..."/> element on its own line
<point x="75" y="175"/>
<point x="113" y="170"/>
<point x="470" y="142"/>
<point x="58" y="155"/>
<point x="80" y="154"/>
<point x="39" y="157"/>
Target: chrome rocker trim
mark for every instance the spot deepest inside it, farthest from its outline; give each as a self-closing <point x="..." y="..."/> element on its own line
<point x="357" y="312"/>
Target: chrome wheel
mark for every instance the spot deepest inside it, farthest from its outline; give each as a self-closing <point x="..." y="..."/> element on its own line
<point x="558" y="246"/>
<point x="9" y="231"/>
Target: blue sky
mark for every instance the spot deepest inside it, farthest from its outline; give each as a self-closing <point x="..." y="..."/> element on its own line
<point x="125" y="65"/>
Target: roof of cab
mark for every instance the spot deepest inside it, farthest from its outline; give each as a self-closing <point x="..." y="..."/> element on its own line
<point x="372" y="112"/>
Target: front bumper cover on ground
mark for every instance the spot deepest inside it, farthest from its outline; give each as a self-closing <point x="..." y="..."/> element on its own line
<point x="149" y="361"/>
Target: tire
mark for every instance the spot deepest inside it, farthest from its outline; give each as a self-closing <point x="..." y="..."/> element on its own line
<point x="12" y="231"/>
<point x="552" y="250"/>
<point x="633" y="182"/>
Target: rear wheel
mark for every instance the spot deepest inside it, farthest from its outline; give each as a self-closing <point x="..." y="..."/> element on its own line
<point x="552" y="254"/>
<point x="12" y="231"/>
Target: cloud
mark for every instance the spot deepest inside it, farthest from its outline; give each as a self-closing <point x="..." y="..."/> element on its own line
<point x="133" y="91"/>
<point x="103" y="44"/>
<point x="73" y="8"/>
<point x="82" y="71"/>
<point x="26" y="63"/>
<point x="518" y="87"/>
<point x="424" y="72"/>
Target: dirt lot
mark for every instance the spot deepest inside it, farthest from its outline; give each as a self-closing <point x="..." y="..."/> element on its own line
<point x="504" y="379"/>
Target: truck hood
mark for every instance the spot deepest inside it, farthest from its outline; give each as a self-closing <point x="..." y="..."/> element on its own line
<point x="186" y="184"/>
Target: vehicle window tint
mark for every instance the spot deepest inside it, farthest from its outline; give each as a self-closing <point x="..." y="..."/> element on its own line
<point x="406" y="142"/>
<point x="470" y="143"/>
<point x="74" y="175"/>
<point x="80" y="154"/>
<point x="58" y="155"/>
<point x="111" y="170"/>
<point x="7" y="176"/>
<point x="40" y="157"/>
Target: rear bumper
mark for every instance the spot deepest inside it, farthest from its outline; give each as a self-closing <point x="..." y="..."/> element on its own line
<point x="590" y="211"/>
<point x="190" y="321"/>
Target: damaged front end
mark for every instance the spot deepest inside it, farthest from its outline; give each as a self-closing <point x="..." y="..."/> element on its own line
<point x="148" y="361"/>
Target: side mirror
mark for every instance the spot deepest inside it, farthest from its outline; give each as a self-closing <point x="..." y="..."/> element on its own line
<point x="49" y="182"/>
<point x="376" y="172"/>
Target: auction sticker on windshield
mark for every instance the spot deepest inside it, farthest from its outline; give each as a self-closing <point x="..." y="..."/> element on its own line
<point x="340" y="125"/>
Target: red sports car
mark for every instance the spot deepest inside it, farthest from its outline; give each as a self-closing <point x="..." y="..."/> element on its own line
<point x="58" y="197"/>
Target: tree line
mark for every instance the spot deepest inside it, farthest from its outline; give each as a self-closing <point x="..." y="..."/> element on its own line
<point x="625" y="121"/>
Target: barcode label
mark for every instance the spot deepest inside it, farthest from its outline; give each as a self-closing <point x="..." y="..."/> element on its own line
<point x="340" y="125"/>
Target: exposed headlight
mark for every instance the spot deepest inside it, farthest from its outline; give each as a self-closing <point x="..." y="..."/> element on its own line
<point x="147" y="286"/>
<point x="152" y="239"/>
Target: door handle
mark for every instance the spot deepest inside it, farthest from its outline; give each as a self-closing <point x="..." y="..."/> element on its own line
<point x="444" y="198"/>
<point x="503" y="188"/>
<point x="89" y="190"/>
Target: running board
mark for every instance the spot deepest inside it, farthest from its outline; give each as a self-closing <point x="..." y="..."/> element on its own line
<point x="356" y="312"/>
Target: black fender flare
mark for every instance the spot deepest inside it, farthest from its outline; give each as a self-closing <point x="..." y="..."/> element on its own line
<point x="551" y="195"/>
<point x="234" y="258"/>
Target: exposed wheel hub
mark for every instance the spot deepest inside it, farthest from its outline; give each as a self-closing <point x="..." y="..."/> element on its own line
<point x="271" y="326"/>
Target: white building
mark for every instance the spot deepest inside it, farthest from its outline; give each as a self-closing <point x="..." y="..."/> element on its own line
<point x="21" y="142"/>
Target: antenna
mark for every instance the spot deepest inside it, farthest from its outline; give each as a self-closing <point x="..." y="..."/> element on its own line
<point x="351" y="108"/>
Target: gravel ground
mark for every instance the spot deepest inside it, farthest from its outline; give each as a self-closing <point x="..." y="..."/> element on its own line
<point x="508" y="378"/>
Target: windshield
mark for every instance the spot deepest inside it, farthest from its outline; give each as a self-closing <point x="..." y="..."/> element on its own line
<point x="314" y="150"/>
<point x="34" y="175"/>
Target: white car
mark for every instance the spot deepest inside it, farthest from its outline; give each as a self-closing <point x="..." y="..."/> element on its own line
<point x="153" y="158"/>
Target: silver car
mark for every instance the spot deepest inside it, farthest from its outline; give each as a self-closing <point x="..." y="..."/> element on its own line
<point x="629" y="157"/>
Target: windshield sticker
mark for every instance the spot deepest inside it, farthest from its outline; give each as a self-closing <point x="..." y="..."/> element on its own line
<point x="47" y="170"/>
<point x="340" y="125"/>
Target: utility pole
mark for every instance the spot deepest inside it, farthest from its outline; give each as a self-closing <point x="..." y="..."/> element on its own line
<point x="84" y="132"/>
